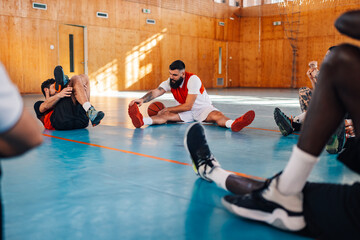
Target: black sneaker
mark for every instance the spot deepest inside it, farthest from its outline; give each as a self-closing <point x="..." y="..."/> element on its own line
<point x="94" y="116"/>
<point x="195" y="143"/>
<point x="337" y="140"/>
<point x="61" y="80"/>
<point x="283" y="122"/>
<point x="269" y="205"/>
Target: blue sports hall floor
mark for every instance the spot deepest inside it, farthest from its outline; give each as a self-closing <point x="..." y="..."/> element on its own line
<point x="117" y="182"/>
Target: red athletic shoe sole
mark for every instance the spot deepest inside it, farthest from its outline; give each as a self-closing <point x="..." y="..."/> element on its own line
<point x="243" y="121"/>
<point x="136" y="116"/>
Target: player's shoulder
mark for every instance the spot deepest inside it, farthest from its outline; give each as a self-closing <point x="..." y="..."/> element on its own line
<point x="194" y="77"/>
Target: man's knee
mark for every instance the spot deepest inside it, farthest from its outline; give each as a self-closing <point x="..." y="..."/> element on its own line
<point x="344" y="54"/>
<point x="167" y="116"/>
<point x="75" y="79"/>
<point x="216" y="115"/>
<point x="342" y="64"/>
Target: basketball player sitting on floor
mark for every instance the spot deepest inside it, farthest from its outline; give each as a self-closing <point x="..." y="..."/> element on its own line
<point x="287" y="201"/>
<point x="193" y="101"/>
<point x="67" y="103"/>
<point x="288" y="125"/>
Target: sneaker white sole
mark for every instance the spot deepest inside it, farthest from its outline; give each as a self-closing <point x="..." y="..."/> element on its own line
<point x="278" y="218"/>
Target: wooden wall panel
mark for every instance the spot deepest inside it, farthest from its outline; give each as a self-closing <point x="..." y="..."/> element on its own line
<point x="251" y="65"/>
<point x="221" y="10"/>
<point x="127" y="15"/>
<point x="10" y="7"/>
<point x="127" y="58"/>
<point x="271" y="64"/>
<point x="11" y="47"/>
<point x="93" y="6"/>
<point x="206" y="27"/>
<point x="47" y="57"/>
<point x="317" y="48"/>
<point x="171" y="4"/>
<point x="269" y="31"/>
<point x="38" y="60"/>
<point x="249" y="29"/>
<point x="219" y="30"/>
<point x="321" y="23"/>
<point x="206" y="8"/>
<point x="29" y="12"/>
<point x="189" y="53"/>
<point x="72" y="12"/>
<point x="170" y="51"/>
<point x="232" y="29"/>
<point x="155" y="14"/>
<point x="171" y="21"/>
<point x="189" y="24"/>
<point x="234" y="54"/>
<point x="102" y="64"/>
<point x="287" y="65"/>
<point x="184" y="30"/>
<point x="150" y="65"/>
<point x="190" y="6"/>
<point x="205" y="61"/>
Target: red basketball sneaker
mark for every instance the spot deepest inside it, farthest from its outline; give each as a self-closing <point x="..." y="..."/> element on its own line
<point x="243" y="121"/>
<point x="136" y="116"/>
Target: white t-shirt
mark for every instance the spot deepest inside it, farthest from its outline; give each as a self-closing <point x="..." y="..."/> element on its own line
<point x="193" y="85"/>
<point x="11" y="104"/>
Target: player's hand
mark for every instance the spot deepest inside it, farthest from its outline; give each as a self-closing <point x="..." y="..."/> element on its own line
<point x="308" y="73"/>
<point x="314" y="73"/>
<point x="163" y="111"/>
<point x="66" y="92"/>
<point x="349" y="128"/>
<point x="139" y="102"/>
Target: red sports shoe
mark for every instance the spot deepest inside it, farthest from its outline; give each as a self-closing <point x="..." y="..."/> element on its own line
<point x="135" y="115"/>
<point x="243" y="121"/>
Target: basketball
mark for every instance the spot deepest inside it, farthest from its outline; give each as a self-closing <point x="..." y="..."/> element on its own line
<point x="154" y="108"/>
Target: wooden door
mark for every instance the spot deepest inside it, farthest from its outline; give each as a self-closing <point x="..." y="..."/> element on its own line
<point x="71" y="49"/>
<point x="220" y="60"/>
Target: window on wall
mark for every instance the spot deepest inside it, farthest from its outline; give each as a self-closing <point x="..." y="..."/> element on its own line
<point x="250" y="3"/>
<point x="220" y="1"/>
<point x="234" y="3"/>
<point x="272" y="1"/>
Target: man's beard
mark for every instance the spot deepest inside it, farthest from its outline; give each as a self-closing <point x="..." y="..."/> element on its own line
<point x="175" y="84"/>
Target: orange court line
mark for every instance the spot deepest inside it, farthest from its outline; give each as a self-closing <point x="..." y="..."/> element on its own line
<point x="269" y="130"/>
<point x="142" y="155"/>
<point x="119" y="150"/>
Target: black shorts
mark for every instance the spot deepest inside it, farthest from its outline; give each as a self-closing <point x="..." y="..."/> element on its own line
<point x="67" y="115"/>
<point x="332" y="211"/>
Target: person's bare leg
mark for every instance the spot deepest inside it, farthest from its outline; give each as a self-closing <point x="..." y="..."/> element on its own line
<point x="217" y="117"/>
<point x="161" y="118"/>
<point x="337" y="92"/>
<point x="242" y="185"/>
<point x="79" y="91"/>
<point x="81" y="94"/>
<point x="86" y="83"/>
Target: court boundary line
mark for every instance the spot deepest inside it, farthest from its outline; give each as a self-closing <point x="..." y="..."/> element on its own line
<point x="142" y="155"/>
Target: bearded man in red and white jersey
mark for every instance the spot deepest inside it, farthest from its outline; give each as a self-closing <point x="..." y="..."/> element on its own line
<point x="193" y="103"/>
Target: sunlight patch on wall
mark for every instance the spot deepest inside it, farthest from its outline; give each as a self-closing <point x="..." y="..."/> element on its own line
<point x="136" y="67"/>
<point x="105" y="79"/>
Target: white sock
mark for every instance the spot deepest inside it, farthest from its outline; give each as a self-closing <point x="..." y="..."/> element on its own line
<point x="219" y="176"/>
<point x="228" y="123"/>
<point x="300" y="118"/>
<point x="297" y="170"/>
<point x="147" y="120"/>
<point x="86" y="106"/>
